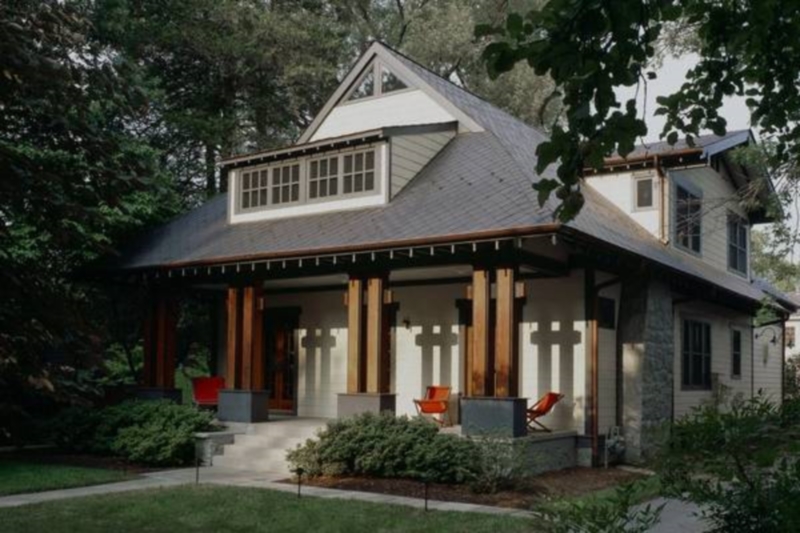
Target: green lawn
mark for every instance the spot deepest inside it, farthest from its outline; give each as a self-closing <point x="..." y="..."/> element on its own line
<point x="20" y="477"/>
<point x="208" y="508"/>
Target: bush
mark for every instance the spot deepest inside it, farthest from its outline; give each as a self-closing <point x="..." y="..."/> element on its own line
<point x="158" y="433"/>
<point x="500" y="464"/>
<point x="740" y="463"/>
<point x="386" y="446"/>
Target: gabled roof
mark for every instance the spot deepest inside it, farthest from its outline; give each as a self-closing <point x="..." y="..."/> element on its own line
<point x="479" y="183"/>
<point x="705" y="145"/>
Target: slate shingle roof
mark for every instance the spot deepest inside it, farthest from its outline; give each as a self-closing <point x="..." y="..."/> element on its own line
<point x="478" y="182"/>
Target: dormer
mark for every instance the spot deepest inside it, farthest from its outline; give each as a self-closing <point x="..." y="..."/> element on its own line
<point x="376" y="132"/>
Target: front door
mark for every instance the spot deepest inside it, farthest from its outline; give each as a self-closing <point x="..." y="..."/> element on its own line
<point x="281" y="346"/>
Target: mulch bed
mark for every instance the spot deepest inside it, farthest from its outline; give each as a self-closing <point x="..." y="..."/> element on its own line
<point x="570" y="482"/>
<point x="54" y="456"/>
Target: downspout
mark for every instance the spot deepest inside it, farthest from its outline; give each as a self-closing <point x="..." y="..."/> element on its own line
<point x="662" y="208"/>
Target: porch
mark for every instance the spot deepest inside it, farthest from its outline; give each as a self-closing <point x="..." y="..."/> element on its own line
<point x="329" y="336"/>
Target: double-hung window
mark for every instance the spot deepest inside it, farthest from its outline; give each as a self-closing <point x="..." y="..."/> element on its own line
<point x="696" y="355"/>
<point x="737" y="244"/>
<point x="688" y="215"/>
<point x="285" y="184"/>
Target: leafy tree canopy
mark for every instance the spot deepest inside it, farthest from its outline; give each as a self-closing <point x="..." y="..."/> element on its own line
<point x="591" y="47"/>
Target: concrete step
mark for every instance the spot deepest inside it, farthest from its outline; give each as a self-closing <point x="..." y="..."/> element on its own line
<point x="234" y="463"/>
<point x="267" y="441"/>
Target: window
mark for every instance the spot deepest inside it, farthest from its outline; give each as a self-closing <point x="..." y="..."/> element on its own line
<point x="254" y="189"/>
<point x="606" y="316"/>
<point x="285" y="184"/>
<point x="323" y="178"/>
<point x="696" y="355"/>
<point x="737" y="244"/>
<point x="644" y="193"/>
<point x="687" y="219"/>
<point x="359" y="172"/>
<point x="365" y="87"/>
<point x="736" y="353"/>
<point x="790" y="337"/>
<point x="390" y="82"/>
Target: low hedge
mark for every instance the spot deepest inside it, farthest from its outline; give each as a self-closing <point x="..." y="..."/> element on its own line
<point x="157" y="433"/>
<point x="389" y="447"/>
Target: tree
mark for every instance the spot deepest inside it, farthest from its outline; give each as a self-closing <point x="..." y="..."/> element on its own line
<point x="76" y="180"/>
<point x="591" y="47"/>
<point x="439" y="34"/>
<point x="226" y="75"/>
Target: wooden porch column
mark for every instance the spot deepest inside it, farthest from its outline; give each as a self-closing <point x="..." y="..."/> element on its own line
<point x="234" y="352"/>
<point x="160" y="342"/>
<point x="481" y="302"/>
<point x="505" y="334"/>
<point x="375" y="327"/>
<point x="355" y="335"/>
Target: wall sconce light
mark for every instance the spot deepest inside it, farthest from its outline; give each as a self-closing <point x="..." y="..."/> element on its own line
<point x="774" y="339"/>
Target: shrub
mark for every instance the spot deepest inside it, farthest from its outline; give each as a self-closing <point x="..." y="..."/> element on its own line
<point x="500" y="464"/>
<point x="739" y="463"/>
<point x="158" y="433"/>
<point x="386" y="446"/>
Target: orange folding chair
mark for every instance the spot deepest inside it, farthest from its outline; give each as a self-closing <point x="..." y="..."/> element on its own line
<point x="435" y="403"/>
<point x="541" y="408"/>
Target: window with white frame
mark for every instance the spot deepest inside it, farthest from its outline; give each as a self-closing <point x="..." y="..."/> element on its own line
<point x="688" y="214"/>
<point x="358" y="172"/>
<point x="644" y="193"/>
<point x="285" y="184"/>
<point x="737" y="244"/>
<point x="254" y="188"/>
<point x="376" y="81"/>
<point x="341" y="175"/>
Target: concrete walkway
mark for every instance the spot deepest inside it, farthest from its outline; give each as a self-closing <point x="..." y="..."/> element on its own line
<point x="676" y="517"/>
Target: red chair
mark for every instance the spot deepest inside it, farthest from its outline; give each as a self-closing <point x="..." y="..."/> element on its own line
<point x="205" y="390"/>
<point x="436" y="402"/>
<point x="541" y="408"/>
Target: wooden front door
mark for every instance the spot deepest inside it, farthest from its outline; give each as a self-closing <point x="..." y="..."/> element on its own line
<point x="281" y="346"/>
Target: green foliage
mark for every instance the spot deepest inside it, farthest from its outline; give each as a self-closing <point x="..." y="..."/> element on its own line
<point x="739" y="463"/>
<point x="613" y="514"/>
<point x="500" y="464"/>
<point x="23" y="477"/>
<point x="791" y="378"/>
<point x="590" y="48"/>
<point x="156" y="433"/>
<point x="386" y="446"/>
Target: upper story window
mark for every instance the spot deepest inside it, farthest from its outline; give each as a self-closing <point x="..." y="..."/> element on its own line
<point x="644" y="193"/>
<point x="696" y="355"/>
<point x="376" y="80"/>
<point x="737" y="244"/>
<point x="736" y="353"/>
<point x="688" y="218"/>
<point x="338" y="176"/>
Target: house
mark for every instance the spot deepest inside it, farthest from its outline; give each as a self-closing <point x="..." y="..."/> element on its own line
<point x="399" y="244"/>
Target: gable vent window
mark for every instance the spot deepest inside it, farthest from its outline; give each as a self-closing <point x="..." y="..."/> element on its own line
<point x="254" y="189"/>
<point x="737" y="244"/>
<point x="644" y="193"/>
<point x="359" y="172"/>
<point x="323" y="178"/>
<point x="285" y="184"/>
<point x="365" y="88"/>
<point x="688" y="219"/>
<point x="390" y="82"/>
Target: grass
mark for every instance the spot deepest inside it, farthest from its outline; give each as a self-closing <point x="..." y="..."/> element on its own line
<point x="21" y="477"/>
<point x="209" y="508"/>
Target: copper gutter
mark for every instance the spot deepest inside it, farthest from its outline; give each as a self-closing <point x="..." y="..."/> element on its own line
<point x="368" y="247"/>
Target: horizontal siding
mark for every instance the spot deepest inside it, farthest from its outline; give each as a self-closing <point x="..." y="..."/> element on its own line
<point x="410" y="154"/>
<point x="722" y="322"/>
<point x="769" y="362"/>
<point x="719" y="199"/>
<point x="619" y="189"/>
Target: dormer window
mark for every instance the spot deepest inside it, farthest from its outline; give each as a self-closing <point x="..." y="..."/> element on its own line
<point x="346" y="178"/>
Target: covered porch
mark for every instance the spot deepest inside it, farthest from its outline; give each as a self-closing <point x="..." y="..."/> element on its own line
<point x="501" y="321"/>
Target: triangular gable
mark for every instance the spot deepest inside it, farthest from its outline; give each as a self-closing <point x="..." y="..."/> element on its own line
<point x="419" y="92"/>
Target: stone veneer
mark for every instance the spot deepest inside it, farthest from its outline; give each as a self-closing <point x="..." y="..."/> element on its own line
<point x="648" y="350"/>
